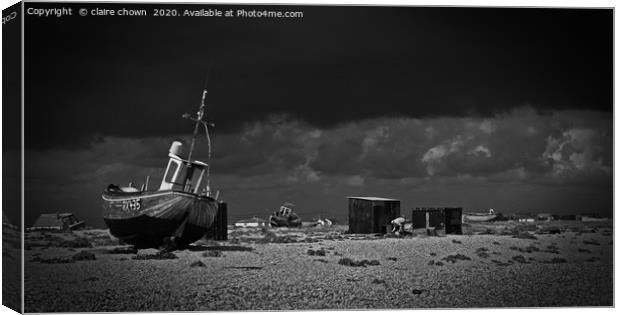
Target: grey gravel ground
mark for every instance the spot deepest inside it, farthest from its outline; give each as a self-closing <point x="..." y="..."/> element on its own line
<point x="284" y="276"/>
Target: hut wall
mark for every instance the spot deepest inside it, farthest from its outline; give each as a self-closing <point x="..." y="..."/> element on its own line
<point x="454" y="220"/>
<point x="219" y="229"/>
<point x="361" y="216"/>
<point x="372" y="216"/>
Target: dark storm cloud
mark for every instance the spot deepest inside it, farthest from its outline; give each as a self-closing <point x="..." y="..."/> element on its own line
<point x="282" y="158"/>
<point x="114" y="76"/>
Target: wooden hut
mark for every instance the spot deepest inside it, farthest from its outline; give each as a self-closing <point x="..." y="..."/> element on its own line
<point x="219" y="229"/>
<point x="372" y="214"/>
<point x="450" y="219"/>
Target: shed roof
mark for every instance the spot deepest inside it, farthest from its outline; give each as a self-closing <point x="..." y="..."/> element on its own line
<point x="374" y="198"/>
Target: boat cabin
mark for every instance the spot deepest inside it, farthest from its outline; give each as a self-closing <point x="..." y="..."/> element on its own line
<point x="183" y="174"/>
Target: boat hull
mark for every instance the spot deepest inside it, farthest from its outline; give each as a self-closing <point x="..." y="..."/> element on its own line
<point x="150" y="219"/>
<point x="285" y="221"/>
<point x="479" y="218"/>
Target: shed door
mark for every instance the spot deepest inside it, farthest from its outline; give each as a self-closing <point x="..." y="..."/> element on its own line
<point x="380" y="221"/>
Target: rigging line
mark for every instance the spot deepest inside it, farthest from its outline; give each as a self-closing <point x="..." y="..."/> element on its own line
<point x="208" y="157"/>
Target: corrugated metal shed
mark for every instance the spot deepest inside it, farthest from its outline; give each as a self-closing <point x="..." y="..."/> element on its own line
<point x="219" y="229"/>
<point x="372" y="214"/>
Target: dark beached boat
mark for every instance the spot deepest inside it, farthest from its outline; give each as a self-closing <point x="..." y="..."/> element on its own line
<point x="178" y="213"/>
<point x="285" y="217"/>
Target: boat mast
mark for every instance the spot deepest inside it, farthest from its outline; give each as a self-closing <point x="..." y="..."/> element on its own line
<point x="199" y="121"/>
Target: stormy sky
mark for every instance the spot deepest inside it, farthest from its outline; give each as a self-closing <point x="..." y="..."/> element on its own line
<point x="472" y="107"/>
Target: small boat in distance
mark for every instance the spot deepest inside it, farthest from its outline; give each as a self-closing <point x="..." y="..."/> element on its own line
<point x="176" y="214"/>
<point x="480" y="217"/>
<point x="285" y="217"/>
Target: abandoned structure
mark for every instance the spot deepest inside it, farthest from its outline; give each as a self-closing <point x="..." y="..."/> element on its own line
<point x="372" y="214"/>
<point x="450" y="219"/>
<point x="57" y="221"/>
<point x="219" y="229"/>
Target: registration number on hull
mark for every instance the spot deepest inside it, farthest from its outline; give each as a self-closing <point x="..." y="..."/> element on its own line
<point x="131" y="204"/>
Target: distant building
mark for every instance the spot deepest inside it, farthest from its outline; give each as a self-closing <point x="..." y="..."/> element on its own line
<point x="372" y="214"/>
<point x="592" y="218"/>
<point x="57" y="221"/>
<point x="544" y="217"/>
<point x="253" y="222"/>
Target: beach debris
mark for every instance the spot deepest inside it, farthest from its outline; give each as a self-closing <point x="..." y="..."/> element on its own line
<point x="457" y="242"/>
<point x="271" y="237"/>
<point x="433" y="254"/>
<point x="392" y="258"/>
<point x="318" y="252"/>
<point x="496" y="243"/>
<point x="321" y="260"/>
<point x="454" y="258"/>
<point x="54" y="260"/>
<point x="482" y="252"/>
<point x="520" y="259"/>
<point x="212" y="253"/>
<point x="549" y="230"/>
<point x="197" y="263"/>
<point x="79" y="242"/>
<point x="156" y="256"/>
<point x="416" y="291"/>
<point x="591" y="242"/>
<point x="84" y="255"/>
<point x="499" y="263"/>
<point x="378" y="281"/>
<point x="552" y="249"/>
<point x="123" y="250"/>
<point x="528" y="249"/>
<point x="525" y="235"/>
<point x="435" y="263"/>
<point x="229" y="248"/>
<point x="245" y="267"/>
<point x="362" y="263"/>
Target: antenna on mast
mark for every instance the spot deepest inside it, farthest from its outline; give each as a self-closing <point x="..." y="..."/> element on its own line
<point x="199" y="120"/>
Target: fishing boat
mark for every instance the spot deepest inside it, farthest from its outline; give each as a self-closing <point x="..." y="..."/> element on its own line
<point x="285" y="217"/>
<point x="480" y="217"/>
<point x="178" y="212"/>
